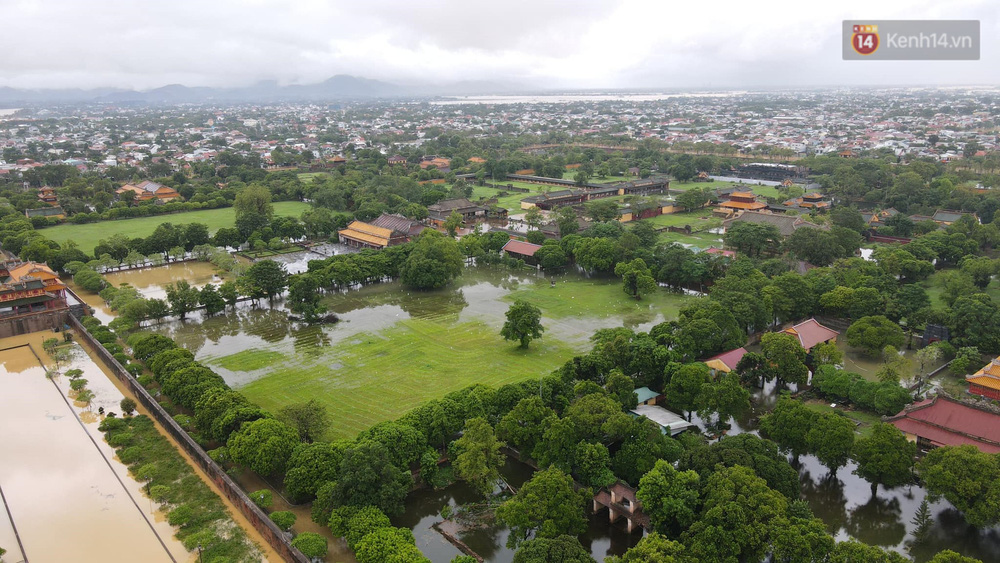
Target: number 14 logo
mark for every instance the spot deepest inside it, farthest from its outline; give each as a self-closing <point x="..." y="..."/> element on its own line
<point x="864" y="41"/>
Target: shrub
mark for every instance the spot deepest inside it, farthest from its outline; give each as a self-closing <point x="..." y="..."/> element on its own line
<point x="112" y="424"/>
<point x="262" y="498"/>
<point x="120" y="439"/>
<point x="159" y="493"/>
<point x="283" y="519"/>
<point x="180" y="516"/>
<point x="130" y="455"/>
<point x="310" y="544"/>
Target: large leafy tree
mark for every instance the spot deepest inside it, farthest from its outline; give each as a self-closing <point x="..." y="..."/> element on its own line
<point x="265" y="278"/>
<point x="968" y="478"/>
<point x="524" y="323"/>
<point x="367" y="477"/>
<point x="547" y="506"/>
<point x="762" y="456"/>
<point x="654" y="548"/>
<point x="725" y="397"/>
<point x="433" y="262"/>
<point x="389" y="545"/>
<point x="479" y="459"/>
<point x="592" y="465"/>
<point x="310" y="419"/>
<point x="522" y="427"/>
<point x="738" y="518"/>
<point x="670" y="498"/>
<point x="831" y="438"/>
<point x="753" y="239"/>
<point x="304" y="297"/>
<point x="263" y="445"/>
<point x="312" y="465"/>
<point x="788" y="425"/>
<point x="183" y="298"/>
<point x="684" y="392"/>
<point x="785" y="356"/>
<point x="560" y="549"/>
<point x="884" y="457"/>
<point x="637" y="280"/>
<point x="874" y="333"/>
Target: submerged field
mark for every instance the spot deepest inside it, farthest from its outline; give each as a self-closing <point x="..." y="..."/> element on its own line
<point x="87" y="236"/>
<point x="395" y="349"/>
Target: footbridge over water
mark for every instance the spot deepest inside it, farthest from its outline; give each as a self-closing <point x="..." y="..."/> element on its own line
<point x="620" y="501"/>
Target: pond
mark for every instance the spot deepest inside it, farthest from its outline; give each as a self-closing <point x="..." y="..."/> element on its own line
<point x="423" y="510"/>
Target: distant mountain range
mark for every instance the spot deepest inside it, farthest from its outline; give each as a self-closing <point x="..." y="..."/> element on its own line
<point x="340" y="87"/>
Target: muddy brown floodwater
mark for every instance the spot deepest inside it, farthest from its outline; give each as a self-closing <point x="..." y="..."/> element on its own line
<point x="152" y="282"/>
<point x="69" y="499"/>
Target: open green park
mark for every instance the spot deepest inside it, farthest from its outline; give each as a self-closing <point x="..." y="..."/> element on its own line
<point x="395" y="349"/>
<point x="88" y="235"/>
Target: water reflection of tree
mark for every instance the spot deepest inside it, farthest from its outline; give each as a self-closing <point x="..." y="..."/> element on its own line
<point x="878" y="522"/>
<point x="268" y="325"/>
<point x="310" y="340"/>
<point x="224" y="325"/>
<point x="951" y="531"/>
<point x="827" y="499"/>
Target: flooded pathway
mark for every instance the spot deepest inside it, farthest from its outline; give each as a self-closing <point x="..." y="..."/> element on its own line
<point x="58" y="477"/>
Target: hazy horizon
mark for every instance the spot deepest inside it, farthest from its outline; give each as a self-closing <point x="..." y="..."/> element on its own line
<point x="533" y="46"/>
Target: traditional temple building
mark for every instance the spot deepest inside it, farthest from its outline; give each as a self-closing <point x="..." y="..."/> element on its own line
<point x="944" y="421"/>
<point x="147" y="190"/>
<point x="439" y="212"/>
<point x="810" y="333"/>
<point x="27" y="287"/>
<point x="986" y="382"/>
<point x="386" y="230"/>
<point x="742" y="201"/>
<point x="814" y="200"/>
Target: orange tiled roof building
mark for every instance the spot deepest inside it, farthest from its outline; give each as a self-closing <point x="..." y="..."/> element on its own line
<point x="986" y="382"/>
<point x="27" y="287"/>
<point x="147" y="190"/>
<point x="743" y="201"/>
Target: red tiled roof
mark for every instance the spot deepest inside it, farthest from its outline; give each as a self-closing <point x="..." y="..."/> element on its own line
<point x="726" y="253"/>
<point x="811" y="333"/>
<point x="521" y="247"/>
<point x="730" y="358"/>
<point x="947" y="422"/>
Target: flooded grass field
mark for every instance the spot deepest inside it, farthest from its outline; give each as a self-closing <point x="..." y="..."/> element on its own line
<point x="395" y="348"/>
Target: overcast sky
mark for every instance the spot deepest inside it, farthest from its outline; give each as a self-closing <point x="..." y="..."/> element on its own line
<point x="665" y="44"/>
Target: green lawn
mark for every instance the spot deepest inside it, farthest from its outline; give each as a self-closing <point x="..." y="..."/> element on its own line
<point x="933" y="286"/>
<point x="693" y="218"/>
<point x="249" y="360"/>
<point x="308" y="176"/>
<point x="763" y="191"/>
<point x="377" y="377"/>
<point x="87" y="236"/>
<point x="865" y="420"/>
<point x="598" y="298"/>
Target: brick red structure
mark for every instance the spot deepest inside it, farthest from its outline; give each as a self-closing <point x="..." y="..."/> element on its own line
<point x="944" y="421"/>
